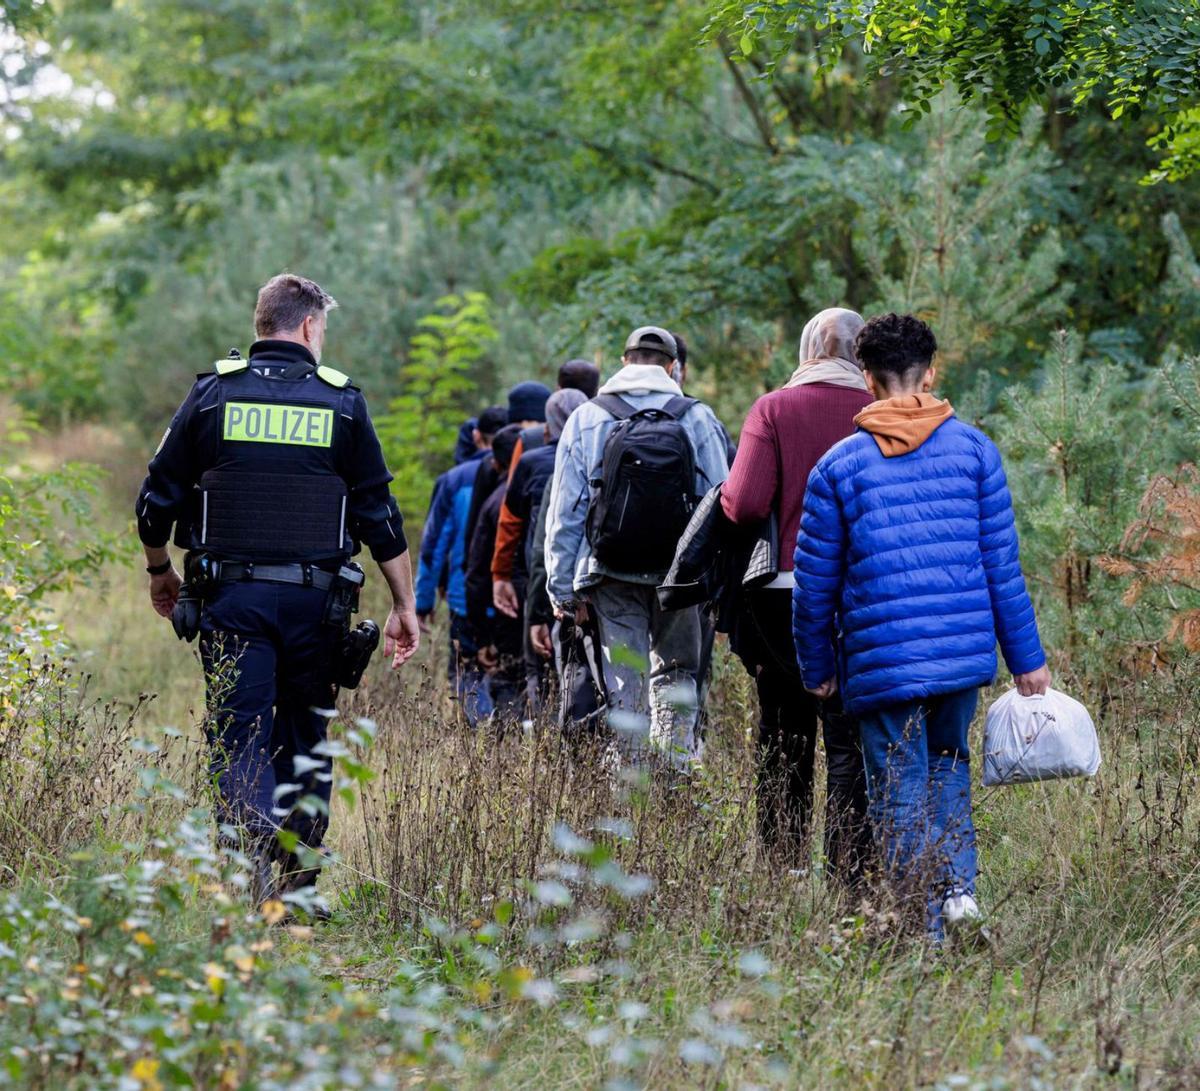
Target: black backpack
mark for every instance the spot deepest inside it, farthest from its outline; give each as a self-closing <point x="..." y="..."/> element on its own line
<point x="645" y="494"/>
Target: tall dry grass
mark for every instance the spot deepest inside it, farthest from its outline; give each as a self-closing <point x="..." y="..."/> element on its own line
<point x="1091" y="887"/>
<point x="1092" y="891"/>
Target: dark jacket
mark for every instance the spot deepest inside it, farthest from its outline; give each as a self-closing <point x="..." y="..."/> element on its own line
<point x="715" y="560"/>
<point x="490" y="625"/>
<point x="282" y="374"/>
<point x="485" y="484"/>
<point x="538" y="609"/>
<point x="526" y="492"/>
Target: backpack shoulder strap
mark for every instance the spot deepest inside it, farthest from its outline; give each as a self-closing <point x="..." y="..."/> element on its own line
<point x="679" y="405"/>
<point x="615" y="406"/>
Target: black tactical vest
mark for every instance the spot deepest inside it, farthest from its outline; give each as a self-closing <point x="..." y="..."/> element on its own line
<point x="274" y="493"/>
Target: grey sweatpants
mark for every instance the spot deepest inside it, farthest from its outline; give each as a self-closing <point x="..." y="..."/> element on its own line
<point x="650" y="659"/>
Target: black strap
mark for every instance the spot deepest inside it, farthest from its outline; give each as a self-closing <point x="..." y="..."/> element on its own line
<point x="678" y="406"/>
<point x="615" y="406"/>
<point x="303" y="574"/>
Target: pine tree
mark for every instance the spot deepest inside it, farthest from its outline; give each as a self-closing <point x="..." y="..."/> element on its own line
<point x="1181" y="288"/>
<point x="1077" y="482"/>
<point x="955" y="233"/>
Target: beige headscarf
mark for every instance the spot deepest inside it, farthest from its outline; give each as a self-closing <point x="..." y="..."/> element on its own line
<point x="827" y="350"/>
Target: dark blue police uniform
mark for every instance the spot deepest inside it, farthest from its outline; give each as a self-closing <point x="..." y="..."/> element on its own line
<point x="272" y="467"/>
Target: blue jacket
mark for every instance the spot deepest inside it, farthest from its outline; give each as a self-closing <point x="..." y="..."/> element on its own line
<point x="914" y="559"/>
<point x="444" y="542"/>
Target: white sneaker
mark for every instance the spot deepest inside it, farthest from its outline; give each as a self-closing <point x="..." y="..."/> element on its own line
<point x="962" y="917"/>
<point x="960" y="909"/>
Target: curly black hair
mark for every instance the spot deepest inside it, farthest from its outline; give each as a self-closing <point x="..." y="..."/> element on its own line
<point x="890" y="346"/>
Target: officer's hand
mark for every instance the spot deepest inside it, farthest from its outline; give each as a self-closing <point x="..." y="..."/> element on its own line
<point x="164" y="592"/>
<point x="423" y="621"/>
<point x="539" y="637"/>
<point x="489" y="657"/>
<point x="402" y="636"/>
<point x="504" y="595"/>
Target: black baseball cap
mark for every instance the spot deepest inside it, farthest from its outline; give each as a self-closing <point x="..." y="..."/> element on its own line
<point x="652" y="339"/>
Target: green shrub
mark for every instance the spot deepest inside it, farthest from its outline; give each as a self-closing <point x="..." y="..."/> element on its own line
<point x="48" y="542"/>
<point x="439" y="386"/>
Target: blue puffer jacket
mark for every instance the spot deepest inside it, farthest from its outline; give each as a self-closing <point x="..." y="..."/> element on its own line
<point x="444" y="543"/>
<point x="914" y="560"/>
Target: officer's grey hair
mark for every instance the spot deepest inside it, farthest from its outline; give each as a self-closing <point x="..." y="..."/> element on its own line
<point x="286" y="300"/>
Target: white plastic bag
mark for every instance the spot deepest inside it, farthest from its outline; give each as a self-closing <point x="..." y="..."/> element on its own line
<point x="1038" y="738"/>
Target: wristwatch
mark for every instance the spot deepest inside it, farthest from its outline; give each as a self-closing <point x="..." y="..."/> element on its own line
<point x="159" y="569"/>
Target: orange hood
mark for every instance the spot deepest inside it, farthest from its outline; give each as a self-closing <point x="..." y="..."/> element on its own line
<point x="902" y="424"/>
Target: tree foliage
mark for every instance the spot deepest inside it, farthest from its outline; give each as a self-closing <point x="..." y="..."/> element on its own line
<point x="586" y="170"/>
<point x="1135" y="57"/>
<point x="448" y="358"/>
<point x="725" y="172"/>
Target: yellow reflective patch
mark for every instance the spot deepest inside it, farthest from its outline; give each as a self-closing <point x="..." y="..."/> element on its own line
<point x="304" y="425"/>
<point x="333" y="377"/>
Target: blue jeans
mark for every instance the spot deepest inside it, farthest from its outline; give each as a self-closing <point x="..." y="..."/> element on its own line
<point x="919" y="796"/>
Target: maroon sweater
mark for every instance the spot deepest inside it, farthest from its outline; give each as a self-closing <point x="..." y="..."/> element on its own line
<point x="785" y="435"/>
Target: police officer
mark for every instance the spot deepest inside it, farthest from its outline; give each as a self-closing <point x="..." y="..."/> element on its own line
<point x="272" y="475"/>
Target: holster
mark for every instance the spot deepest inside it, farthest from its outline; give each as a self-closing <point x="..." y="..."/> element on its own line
<point x="354" y="653"/>
<point x="185" y="616"/>
<point x="355" y="646"/>
<point x="342" y="601"/>
<point x="200" y="575"/>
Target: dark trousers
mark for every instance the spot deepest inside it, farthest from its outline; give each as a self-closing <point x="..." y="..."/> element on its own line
<point x="268" y="666"/>
<point x="581" y="705"/>
<point x="505" y="681"/>
<point x="467" y="678"/>
<point x="708" y="643"/>
<point x="787" y="737"/>
<point x="506" y="691"/>
<point x="538" y="675"/>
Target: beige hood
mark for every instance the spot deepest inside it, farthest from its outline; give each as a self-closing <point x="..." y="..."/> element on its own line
<point x="827" y="350"/>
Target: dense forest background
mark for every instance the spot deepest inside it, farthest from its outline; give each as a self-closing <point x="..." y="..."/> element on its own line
<point x="585" y="170"/>
<point x="487" y="189"/>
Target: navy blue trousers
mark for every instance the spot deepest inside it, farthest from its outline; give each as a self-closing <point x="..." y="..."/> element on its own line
<point x="268" y="666"/>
